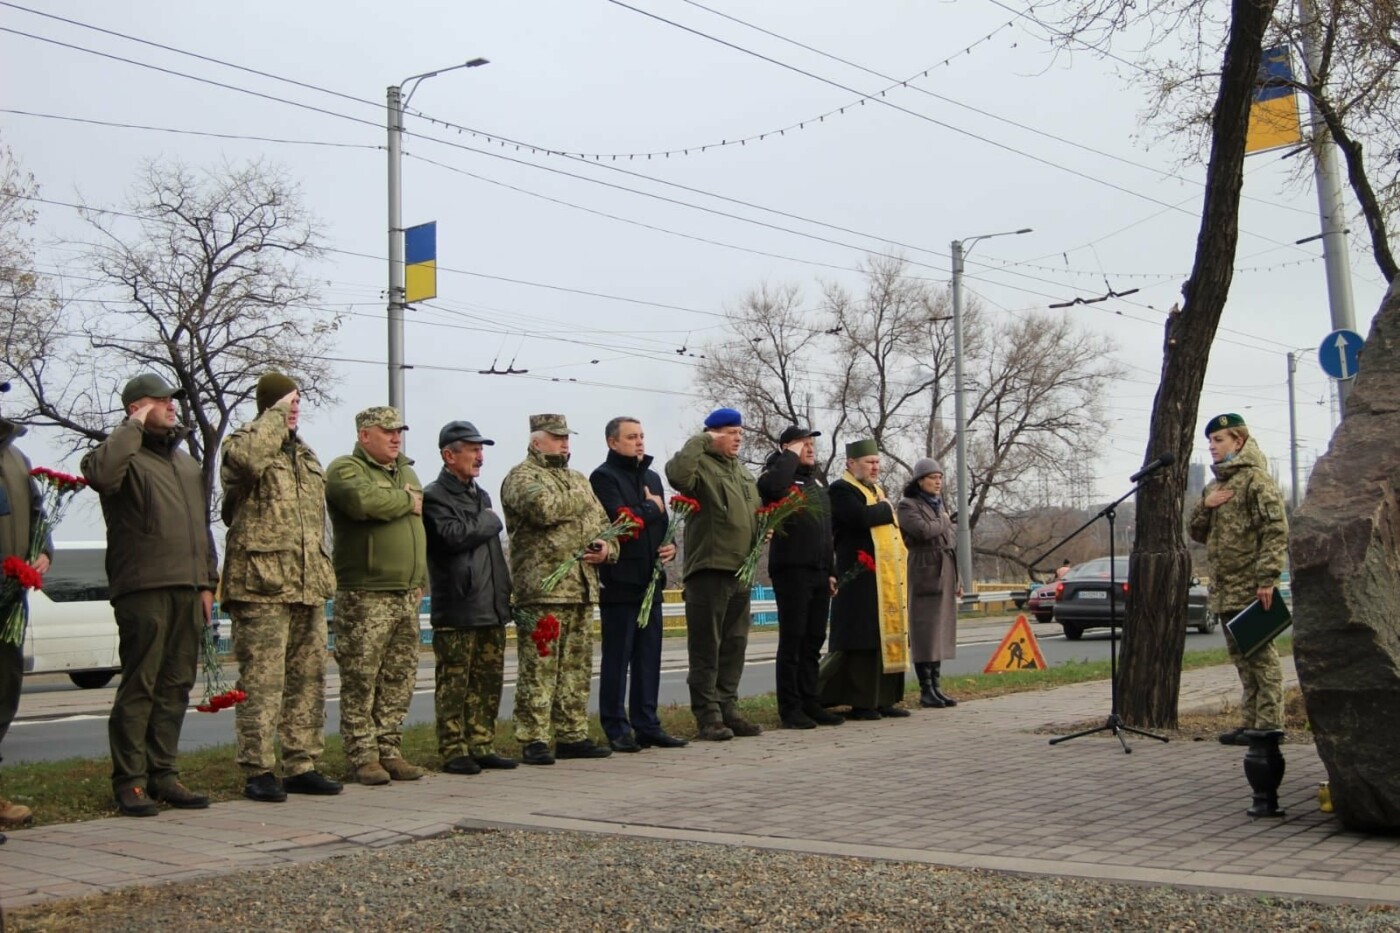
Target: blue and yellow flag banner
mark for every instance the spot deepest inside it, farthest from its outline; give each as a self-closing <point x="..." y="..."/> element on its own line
<point x="420" y="262"/>
<point x="1273" y="117"/>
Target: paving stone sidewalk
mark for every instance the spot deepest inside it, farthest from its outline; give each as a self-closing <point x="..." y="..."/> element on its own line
<point x="971" y="787"/>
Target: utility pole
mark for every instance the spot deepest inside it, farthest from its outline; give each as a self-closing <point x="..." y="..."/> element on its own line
<point x="964" y="525"/>
<point x="395" y="103"/>
<point x="1293" y="427"/>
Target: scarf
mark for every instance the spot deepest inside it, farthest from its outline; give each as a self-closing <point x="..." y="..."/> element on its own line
<point x="891" y="579"/>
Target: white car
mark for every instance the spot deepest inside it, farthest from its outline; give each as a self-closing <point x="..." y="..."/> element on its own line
<point x="72" y="629"/>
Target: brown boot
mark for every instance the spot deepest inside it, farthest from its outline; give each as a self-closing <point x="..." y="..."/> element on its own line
<point x="371" y="774"/>
<point x="14" y="814"/>
<point x="401" y="770"/>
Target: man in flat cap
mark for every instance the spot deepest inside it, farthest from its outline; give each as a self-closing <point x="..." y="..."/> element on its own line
<point x="162" y="570"/>
<point x="869" y="616"/>
<point x="717" y="540"/>
<point x="381" y="565"/>
<point x="1241" y="521"/>
<point x="803" y="570"/>
<point x="471" y="603"/>
<point x="551" y="513"/>
<point x="20" y="510"/>
<point x="277" y="579"/>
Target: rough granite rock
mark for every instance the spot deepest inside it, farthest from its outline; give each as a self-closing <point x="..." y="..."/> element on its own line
<point x="1345" y="558"/>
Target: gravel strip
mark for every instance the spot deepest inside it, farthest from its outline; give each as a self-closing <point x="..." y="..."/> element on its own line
<point x="576" y="881"/>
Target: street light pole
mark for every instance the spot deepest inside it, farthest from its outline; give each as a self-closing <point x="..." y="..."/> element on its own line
<point x="395" y="103"/>
<point x="1293" y="427"/>
<point x="964" y="528"/>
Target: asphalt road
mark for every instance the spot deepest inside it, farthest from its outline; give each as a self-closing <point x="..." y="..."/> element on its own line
<point x="57" y="720"/>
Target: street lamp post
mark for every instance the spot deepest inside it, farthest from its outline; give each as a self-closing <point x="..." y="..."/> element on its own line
<point x="396" y="102"/>
<point x="964" y="530"/>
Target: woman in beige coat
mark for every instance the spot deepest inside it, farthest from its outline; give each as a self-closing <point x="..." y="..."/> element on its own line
<point x="933" y="580"/>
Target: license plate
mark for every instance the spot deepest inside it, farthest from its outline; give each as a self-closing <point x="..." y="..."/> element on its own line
<point x="1093" y="594"/>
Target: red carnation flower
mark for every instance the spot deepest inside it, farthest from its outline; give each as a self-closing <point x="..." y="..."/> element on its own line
<point x="866" y="560"/>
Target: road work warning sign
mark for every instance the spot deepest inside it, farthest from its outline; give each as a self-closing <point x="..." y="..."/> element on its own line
<point x="1018" y="651"/>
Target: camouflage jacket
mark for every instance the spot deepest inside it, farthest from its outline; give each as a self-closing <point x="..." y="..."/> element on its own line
<point x="275" y="509"/>
<point x="1246" y="538"/>
<point x="551" y="513"/>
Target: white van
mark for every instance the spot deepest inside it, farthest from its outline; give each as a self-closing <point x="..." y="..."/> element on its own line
<point x="72" y="629"/>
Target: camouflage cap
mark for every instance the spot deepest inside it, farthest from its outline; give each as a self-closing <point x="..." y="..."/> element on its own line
<point x="557" y="425"/>
<point x="380" y="416"/>
<point x="149" y="385"/>
<point x="1221" y="422"/>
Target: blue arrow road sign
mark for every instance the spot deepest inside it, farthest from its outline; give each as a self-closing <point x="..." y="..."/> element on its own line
<point x="1340" y="353"/>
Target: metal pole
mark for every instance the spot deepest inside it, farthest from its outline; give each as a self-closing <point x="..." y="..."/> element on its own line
<point x="1330" y="207"/>
<point x="1293" y="426"/>
<point x="964" y="526"/>
<point x="394" y="106"/>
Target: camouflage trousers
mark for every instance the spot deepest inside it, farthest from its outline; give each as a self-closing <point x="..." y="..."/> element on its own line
<point x="551" y="692"/>
<point x="1262" y="679"/>
<point x="281" y="652"/>
<point x="376" y="649"/>
<point x="470" y="675"/>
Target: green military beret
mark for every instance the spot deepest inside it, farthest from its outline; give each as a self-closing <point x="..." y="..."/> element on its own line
<point x="865" y="448"/>
<point x="1221" y="422"/>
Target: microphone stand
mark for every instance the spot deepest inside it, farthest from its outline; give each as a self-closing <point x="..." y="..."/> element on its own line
<point x="1114" y="724"/>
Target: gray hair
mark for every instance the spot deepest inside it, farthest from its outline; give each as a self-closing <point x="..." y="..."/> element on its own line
<point x="614" y="427"/>
<point x="536" y="437"/>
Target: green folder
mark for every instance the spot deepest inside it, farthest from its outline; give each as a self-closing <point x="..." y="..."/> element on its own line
<point x="1256" y="626"/>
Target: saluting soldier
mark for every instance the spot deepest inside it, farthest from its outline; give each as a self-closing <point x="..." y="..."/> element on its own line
<point x="277" y="579"/>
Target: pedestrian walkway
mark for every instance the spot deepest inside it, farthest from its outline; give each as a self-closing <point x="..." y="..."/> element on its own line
<point x="971" y="787"/>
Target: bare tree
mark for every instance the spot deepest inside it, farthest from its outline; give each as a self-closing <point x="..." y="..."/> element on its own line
<point x="199" y="279"/>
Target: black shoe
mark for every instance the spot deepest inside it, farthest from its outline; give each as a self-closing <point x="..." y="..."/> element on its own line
<point x="824" y="717"/>
<point x="584" y="748"/>
<point x="798" y="721"/>
<point x="929" y="699"/>
<point x="947" y="700"/>
<point x="660" y="740"/>
<point x="863" y="714"/>
<point x="893" y="712"/>
<point x="742" y="728"/>
<point x="462" y="764"/>
<point x="494" y="761"/>
<point x="181" y="797"/>
<point x="133" y="801"/>
<point x="626" y="743"/>
<point x="536" y="753"/>
<point x="1233" y="737"/>
<point x="312" y="782"/>
<point x="264" y="788"/>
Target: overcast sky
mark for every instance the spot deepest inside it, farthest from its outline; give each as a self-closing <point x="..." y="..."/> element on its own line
<point x="590" y="76"/>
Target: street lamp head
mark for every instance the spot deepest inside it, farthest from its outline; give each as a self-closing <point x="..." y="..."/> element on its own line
<point x="477" y="62"/>
<point x="1025" y="230"/>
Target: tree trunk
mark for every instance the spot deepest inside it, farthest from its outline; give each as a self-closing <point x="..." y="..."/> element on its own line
<point x="1150" y="679"/>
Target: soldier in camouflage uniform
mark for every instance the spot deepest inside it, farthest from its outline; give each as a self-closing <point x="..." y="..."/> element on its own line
<point x="1242" y="523"/>
<point x="551" y="513"/>
<point x="376" y="504"/>
<point x="471" y="603"/>
<point x="277" y="579"/>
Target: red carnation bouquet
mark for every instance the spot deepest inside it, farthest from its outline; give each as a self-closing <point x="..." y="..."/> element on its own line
<point x="18" y="575"/>
<point x="770" y="519"/>
<point x="681" y="507"/>
<point x="626" y="527"/>
<point x="217" y="695"/>
<point x="542" y="630"/>
<point x="864" y="562"/>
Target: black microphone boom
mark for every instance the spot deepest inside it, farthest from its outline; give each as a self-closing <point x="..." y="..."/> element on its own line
<point x="1166" y="458"/>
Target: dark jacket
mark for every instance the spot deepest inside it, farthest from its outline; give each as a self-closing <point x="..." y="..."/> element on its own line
<point x="804" y="541"/>
<point x="19" y="496"/>
<point x="152" y="493"/>
<point x="466" y="564"/>
<point x="720" y="535"/>
<point x="379" y="542"/>
<point x="854" y="626"/>
<point x="623" y="481"/>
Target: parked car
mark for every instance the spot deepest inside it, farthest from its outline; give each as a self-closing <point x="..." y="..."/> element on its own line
<point x="1082" y="599"/>
<point x="1042" y="601"/>
<point x="72" y="629"/>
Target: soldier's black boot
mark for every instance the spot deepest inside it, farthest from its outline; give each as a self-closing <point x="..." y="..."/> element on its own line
<point x="927" y="698"/>
<point x="935" y="675"/>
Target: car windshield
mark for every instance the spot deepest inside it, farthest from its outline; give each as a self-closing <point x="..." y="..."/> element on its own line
<point x="1098" y="570"/>
<point x="77" y="575"/>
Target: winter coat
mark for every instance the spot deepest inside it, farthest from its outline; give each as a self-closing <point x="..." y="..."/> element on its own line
<point x="275" y="509"/>
<point x="933" y="578"/>
<point x="721" y="534"/>
<point x="804" y="541"/>
<point x="152" y="495"/>
<point x="1246" y="538"/>
<point x="551" y="513"/>
<point x="467" y="569"/>
<point x="854" y="613"/>
<point x="621" y="481"/>
<point x="19" y="496"/>
<point x="379" y="543"/>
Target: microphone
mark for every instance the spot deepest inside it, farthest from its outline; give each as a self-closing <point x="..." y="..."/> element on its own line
<point x="1165" y="458"/>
